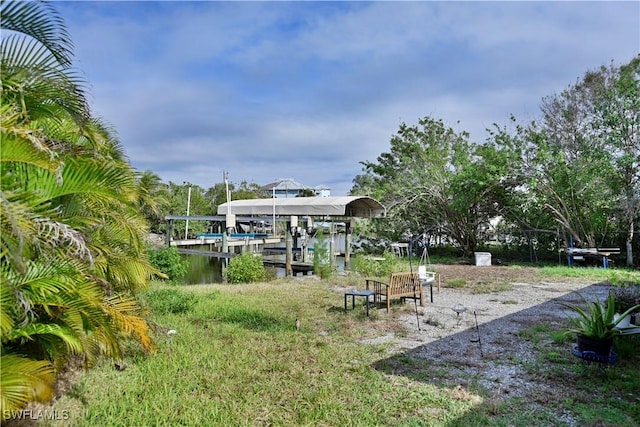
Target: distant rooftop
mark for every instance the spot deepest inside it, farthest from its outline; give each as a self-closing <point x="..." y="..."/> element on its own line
<point x="288" y="187"/>
<point x="285" y="184"/>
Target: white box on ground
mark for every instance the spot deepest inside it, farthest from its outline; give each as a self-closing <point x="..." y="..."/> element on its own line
<point x="483" y="258"/>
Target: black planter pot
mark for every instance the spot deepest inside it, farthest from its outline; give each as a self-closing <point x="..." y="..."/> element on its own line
<point x="599" y="346"/>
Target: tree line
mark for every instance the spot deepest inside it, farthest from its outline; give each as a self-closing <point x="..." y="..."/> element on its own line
<point x="173" y="199"/>
<point x="573" y="175"/>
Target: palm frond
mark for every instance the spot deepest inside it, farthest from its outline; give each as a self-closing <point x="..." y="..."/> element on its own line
<point x="41" y="22"/>
<point x="7" y="303"/>
<point x="19" y="150"/>
<point x="34" y="331"/>
<point x="24" y="380"/>
<point x="55" y="286"/>
<point x="68" y="197"/>
<point x="125" y="313"/>
<point x="34" y="82"/>
<point x="84" y="176"/>
<point x="23" y="144"/>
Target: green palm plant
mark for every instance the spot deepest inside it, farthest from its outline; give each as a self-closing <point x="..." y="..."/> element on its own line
<point x="53" y="307"/>
<point x="150" y="199"/>
<point x="71" y="238"/>
<point x="597" y="320"/>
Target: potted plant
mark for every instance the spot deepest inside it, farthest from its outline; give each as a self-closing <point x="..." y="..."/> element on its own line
<point x="596" y="324"/>
<point x="626" y="297"/>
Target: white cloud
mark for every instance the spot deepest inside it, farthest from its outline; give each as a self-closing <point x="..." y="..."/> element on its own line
<point x="307" y="90"/>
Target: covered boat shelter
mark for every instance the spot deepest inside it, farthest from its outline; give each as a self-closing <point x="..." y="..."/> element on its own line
<point x="344" y="207"/>
<point x="305" y="209"/>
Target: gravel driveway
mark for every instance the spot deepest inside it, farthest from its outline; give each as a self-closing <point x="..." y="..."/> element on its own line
<point x="487" y="346"/>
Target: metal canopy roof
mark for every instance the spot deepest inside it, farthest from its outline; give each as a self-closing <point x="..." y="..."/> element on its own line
<point x="345" y="206"/>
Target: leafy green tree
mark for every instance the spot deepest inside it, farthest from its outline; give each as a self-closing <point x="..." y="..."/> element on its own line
<point x="177" y="199"/>
<point x="248" y="190"/>
<point x="574" y="163"/>
<point x="577" y="170"/>
<point x="580" y="167"/>
<point x="434" y="178"/>
<point x="526" y="221"/>
<point x="244" y="191"/>
<point x="307" y="192"/>
<point x="168" y="261"/>
<point x="217" y="195"/>
<point x="617" y="123"/>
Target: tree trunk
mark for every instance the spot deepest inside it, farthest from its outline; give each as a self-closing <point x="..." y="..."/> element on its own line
<point x="629" y="246"/>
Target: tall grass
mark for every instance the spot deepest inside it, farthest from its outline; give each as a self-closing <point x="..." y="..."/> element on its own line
<point x="236" y="358"/>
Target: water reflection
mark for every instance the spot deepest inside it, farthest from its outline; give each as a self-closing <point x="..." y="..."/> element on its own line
<point x="203" y="270"/>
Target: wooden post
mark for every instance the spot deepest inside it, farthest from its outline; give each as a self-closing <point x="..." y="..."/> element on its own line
<point x="169" y="232"/>
<point x="293" y="226"/>
<point x="332" y="250"/>
<point x="347" y="246"/>
<point x="305" y="246"/>
<point x="225" y="248"/>
<point x="289" y="253"/>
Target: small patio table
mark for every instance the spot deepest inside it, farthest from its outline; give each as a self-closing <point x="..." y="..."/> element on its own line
<point x="354" y="294"/>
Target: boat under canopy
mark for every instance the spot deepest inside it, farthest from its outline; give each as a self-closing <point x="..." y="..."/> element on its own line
<point x="341" y="206"/>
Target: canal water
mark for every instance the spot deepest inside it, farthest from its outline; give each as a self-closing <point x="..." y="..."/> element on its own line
<point x="203" y="269"/>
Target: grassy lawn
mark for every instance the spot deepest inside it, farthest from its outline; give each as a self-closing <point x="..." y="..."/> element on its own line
<point x="236" y="358"/>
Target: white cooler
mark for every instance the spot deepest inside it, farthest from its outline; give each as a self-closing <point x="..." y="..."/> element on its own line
<point x="483" y="258"/>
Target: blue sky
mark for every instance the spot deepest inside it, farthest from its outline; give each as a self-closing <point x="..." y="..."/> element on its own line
<point x="307" y="90"/>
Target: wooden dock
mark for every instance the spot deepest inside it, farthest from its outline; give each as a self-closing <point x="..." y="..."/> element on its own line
<point x="215" y="243"/>
<point x="212" y="254"/>
<point x="296" y="266"/>
<point x="231" y="242"/>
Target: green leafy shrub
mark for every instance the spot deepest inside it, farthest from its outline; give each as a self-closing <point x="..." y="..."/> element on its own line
<point x="167" y="301"/>
<point x="169" y="262"/>
<point x="368" y="265"/>
<point x="246" y="268"/>
<point x="321" y="257"/>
